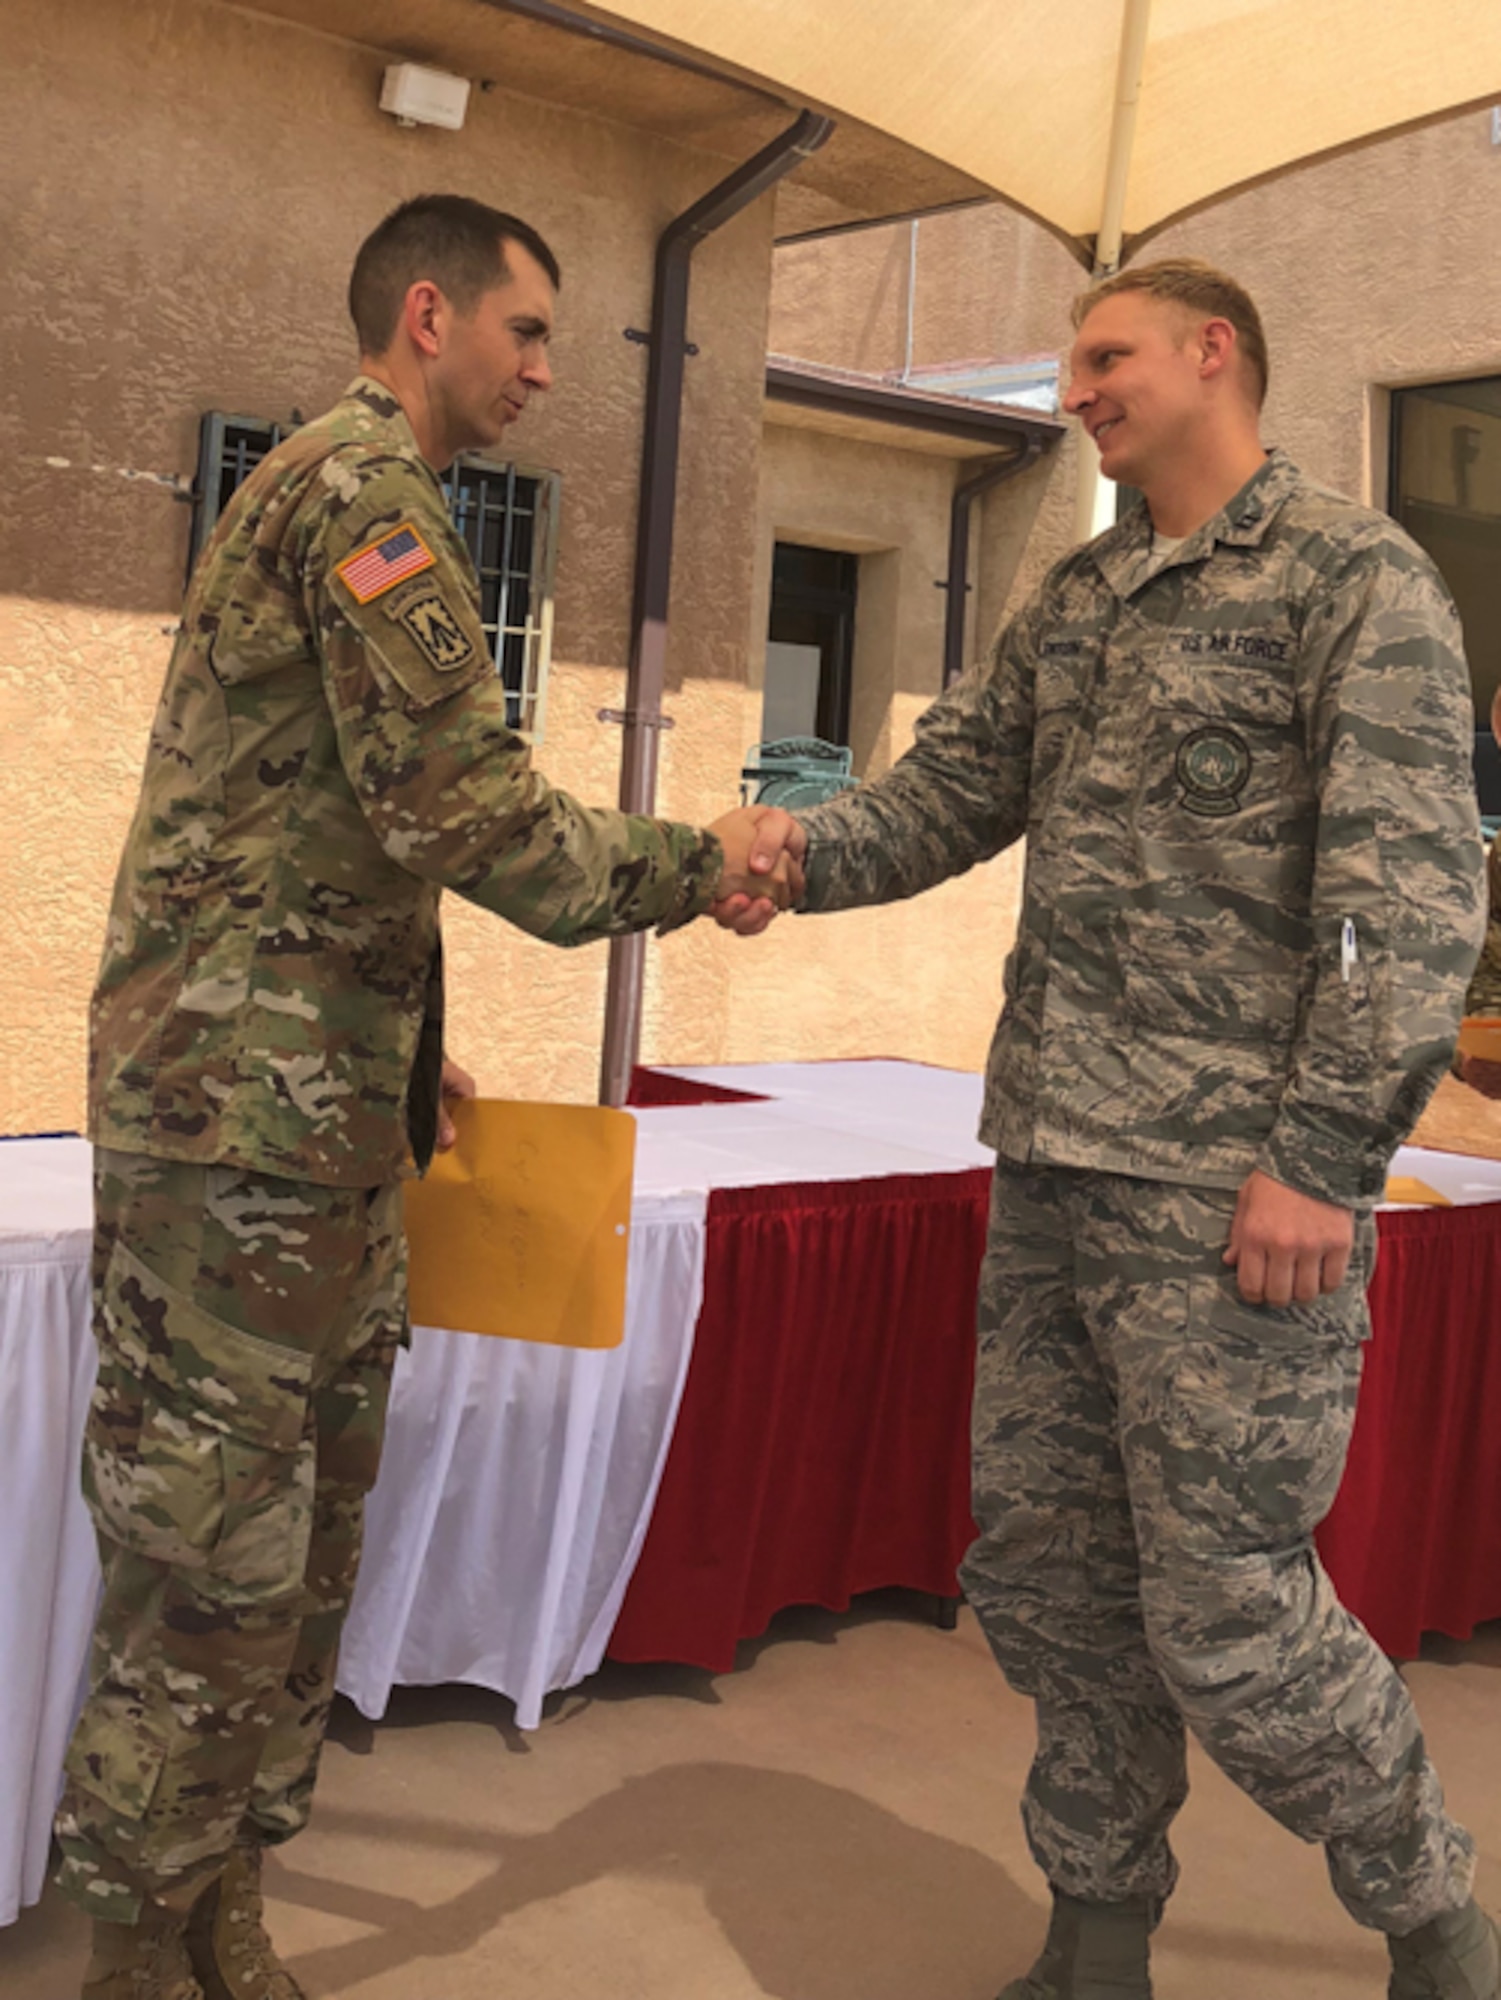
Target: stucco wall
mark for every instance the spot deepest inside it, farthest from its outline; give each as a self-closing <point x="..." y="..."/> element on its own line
<point x="921" y="978"/>
<point x="183" y="186"/>
<point x="988" y="284"/>
<point x="1375" y="269"/>
<point x="889" y="506"/>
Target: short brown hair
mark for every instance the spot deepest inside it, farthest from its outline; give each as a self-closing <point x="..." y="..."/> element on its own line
<point x="1190" y="282"/>
<point x="456" y="243"/>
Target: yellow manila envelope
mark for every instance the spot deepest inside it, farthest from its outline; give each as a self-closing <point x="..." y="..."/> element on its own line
<point x="523" y="1226"/>
<point x="1407" y="1188"/>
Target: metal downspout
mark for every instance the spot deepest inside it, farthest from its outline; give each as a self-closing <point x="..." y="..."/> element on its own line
<point x="957" y="586"/>
<point x="657" y="499"/>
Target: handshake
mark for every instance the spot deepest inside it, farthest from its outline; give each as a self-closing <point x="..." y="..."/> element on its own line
<point x="763" y="854"/>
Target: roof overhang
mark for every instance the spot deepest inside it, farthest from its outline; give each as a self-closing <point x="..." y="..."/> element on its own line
<point x="579" y="61"/>
<point x="879" y="411"/>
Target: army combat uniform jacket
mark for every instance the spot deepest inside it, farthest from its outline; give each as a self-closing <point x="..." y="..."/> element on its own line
<point x="330" y="751"/>
<point x="1253" y="880"/>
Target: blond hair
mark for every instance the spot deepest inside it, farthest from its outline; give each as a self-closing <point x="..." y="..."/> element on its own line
<point x="1199" y="288"/>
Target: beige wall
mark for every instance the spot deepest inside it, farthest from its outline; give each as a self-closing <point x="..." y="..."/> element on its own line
<point x="1379" y="268"/>
<point x="183" y="186"/>
<point x="1373" y="270"/>
<point x="891" y="508"/>
<point x="920" y="979"/>
<point x="989" y="283"/>
<point x="167" y="255"/>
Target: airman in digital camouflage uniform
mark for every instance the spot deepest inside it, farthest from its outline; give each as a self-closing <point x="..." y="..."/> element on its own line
<point x="331" y="750"/>
<point x="1235" y="731"/>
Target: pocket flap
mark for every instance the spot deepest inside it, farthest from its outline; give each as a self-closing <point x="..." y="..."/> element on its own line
<point x="230" y="1380"/>
<point x="1207" y="1004"/>
<point x="114" y="1757"/>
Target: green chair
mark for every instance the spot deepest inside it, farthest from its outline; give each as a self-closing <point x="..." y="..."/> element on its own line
<point x="795" y="771"/>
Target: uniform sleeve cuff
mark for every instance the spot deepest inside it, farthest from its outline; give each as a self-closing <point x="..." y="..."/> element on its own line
<point x="1304" y="1162"/>
<point x="699" y="870"/>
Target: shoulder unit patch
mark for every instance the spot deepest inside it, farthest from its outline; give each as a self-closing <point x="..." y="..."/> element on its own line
<point x="441" y="636"/>
<point x="381" y="565"/>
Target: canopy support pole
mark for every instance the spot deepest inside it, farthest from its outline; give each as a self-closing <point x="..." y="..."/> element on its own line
<point x="1094" y="497"/>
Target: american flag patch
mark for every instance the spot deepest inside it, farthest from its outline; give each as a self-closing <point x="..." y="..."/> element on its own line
<point x="369" y="572"/>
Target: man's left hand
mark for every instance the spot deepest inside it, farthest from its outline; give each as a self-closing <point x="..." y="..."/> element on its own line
<point x="456" y="1083"/>
<point x="1285" y="1245"/>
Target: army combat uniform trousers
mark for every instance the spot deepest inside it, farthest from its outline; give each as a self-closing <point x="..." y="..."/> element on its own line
<point x="247" y="1328"/>
<point x="1151" y="1457"/>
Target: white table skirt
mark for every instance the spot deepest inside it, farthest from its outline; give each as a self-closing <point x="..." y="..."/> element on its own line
<point x="48" y="1569"/>
<point x="515" y="1489"/>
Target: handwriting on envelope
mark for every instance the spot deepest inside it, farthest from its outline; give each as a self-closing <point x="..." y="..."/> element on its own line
<point x="522" y="1228"/>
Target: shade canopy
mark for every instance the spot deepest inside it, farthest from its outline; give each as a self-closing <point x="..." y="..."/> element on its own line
<point x="1020" y="94"/>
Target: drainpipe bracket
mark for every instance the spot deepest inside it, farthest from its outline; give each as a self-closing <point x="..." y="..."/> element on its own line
<point x="643" y="339"/>
<point x="635" y="718"/>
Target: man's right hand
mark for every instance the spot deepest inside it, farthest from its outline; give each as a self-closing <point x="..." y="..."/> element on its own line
<point x="764" y="849"/>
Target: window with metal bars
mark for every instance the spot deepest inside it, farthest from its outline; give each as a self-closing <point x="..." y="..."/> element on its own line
<point x="229" y="450"/>
<point x="506" y="515"/>
<point x="507" y="518"/>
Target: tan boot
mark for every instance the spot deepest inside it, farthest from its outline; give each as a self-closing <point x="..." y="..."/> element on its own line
<point x="146" y="1960"/>
<point x="1456" y="1957"/>
<point x="227" y="1942"/>
<point x="1094" y="1951"/>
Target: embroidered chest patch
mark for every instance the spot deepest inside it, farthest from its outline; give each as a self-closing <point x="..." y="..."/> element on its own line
<point x="378" y="567"/>
<point x="1212" y="766"/>
<point x="441" y="638"/>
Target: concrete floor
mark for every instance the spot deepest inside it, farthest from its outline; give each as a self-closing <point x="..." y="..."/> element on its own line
<point x="834" y="1821"/>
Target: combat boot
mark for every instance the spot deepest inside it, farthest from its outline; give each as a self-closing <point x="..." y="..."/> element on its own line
<point x="227" y="1942"/>
<point x="1456" y="1957"/>
<point x="1094" y="1951"/>
<point x="146" y="1960"/>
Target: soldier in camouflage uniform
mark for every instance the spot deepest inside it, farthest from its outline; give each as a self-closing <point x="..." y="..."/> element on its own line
<point x="331" y="750"/>
<point x="1235" y="731"/>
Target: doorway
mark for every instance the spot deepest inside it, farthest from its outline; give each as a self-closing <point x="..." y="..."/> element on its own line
<point x="810" y="644"/>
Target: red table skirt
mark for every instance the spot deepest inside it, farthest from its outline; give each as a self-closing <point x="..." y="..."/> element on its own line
<point x="1413" y="1541"/>
<point x="822" y="1448"/>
